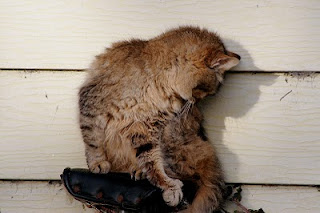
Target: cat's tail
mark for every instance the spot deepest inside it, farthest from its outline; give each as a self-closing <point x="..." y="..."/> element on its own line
<point x="210" y="194"/>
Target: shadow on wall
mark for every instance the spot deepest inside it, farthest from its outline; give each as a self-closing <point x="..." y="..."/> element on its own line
<point x="247" y="62"/>
<point x="239" y="93"/>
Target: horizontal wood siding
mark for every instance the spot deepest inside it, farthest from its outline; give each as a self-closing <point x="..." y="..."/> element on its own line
<point x="269" y="35"/>
<point x="37" y="197"/>
<point x="279" y="199"/>
<point x="265" y="126"/>
<point x="44" y="197"/>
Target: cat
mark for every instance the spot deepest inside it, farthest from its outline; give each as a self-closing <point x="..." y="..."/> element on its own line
<point x="138" y="112"/>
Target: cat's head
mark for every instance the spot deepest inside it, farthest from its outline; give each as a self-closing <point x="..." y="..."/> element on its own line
<point x="200" y="63"/>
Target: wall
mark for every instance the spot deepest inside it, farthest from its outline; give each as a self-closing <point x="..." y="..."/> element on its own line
<point x="264" y="122"/>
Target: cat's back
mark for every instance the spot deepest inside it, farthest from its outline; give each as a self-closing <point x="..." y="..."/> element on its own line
<point x="119" y="68"/>
<point x="115" y="79"/>
<point x="120" y="59"/>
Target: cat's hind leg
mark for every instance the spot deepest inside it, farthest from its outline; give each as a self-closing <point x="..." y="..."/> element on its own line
<point x="95" y="152"/>
<point x="96" y="160"/>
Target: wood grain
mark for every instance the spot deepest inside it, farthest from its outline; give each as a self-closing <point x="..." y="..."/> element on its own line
<point x="261" y="135"/>
<point x="269" y="35"/>
<point x="276" y="199"/>
<point x="37" y="197"/>
<point x="41" y="196"/>
<point x="266" y="128"/>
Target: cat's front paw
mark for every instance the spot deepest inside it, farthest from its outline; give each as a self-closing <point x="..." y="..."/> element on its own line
<point x="100" y="167"/>
<point x="173" y="195"/>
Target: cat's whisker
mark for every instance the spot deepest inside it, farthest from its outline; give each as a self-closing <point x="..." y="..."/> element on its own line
<point x="182" y="109"/>
<point x="190" y="107"/>
<point x="185" y="109"/>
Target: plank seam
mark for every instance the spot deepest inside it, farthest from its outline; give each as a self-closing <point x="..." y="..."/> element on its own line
<point x="83" y="70"/>
<point x="55" y="181"/>
<point x="38" y="70"/>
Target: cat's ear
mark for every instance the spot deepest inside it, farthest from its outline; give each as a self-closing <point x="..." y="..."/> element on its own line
<point x="224" y="61"/>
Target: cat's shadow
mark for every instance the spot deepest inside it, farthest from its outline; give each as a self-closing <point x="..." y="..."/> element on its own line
<point x="239" y="93"/>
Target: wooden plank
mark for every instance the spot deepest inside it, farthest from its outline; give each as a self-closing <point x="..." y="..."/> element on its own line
<point x="35" y="196"/>
<point x="266" y="128"/>
<point x="39" y="125"/>
<point x="261" y="135"/>
<point x="41" y="196"/>
<point x="275" y="199"/>
<point x="269" y="35"/>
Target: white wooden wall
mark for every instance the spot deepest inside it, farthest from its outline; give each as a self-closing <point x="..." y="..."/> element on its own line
<point x="265" y="122"/>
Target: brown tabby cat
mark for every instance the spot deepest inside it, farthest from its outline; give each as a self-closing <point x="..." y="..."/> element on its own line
<point x="137" y="112"/>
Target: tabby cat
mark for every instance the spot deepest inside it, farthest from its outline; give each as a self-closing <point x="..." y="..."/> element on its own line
<point x="138" y="112"/>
